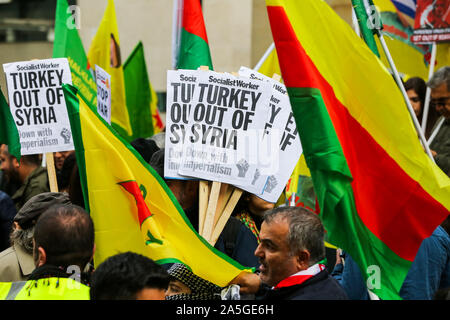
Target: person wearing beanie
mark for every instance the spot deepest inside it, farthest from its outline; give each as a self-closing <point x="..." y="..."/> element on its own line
<point x="16" y="262"/>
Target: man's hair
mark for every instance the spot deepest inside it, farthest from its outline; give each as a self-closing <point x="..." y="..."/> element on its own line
<point x="123" y="276"/>
<point x="22" y="238"/>
<point x="66" y="233"/>
<point x="29" y="159"/>
<point x="305" y="231"/>
<point x="439" y="77"/>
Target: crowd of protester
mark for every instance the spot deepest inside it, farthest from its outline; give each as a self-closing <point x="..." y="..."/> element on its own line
<point x="47" y="239"/>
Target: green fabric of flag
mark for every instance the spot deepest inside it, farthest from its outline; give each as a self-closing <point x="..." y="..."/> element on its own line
<point x="363" y="21"/>
<point x="194" y="48"/>
<point x="68" y="45"/>
<point x="8" y="130"/>
<point x="138" y="93"/>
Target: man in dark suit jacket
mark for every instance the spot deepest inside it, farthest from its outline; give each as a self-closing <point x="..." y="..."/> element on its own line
<point x="291" y="248"/>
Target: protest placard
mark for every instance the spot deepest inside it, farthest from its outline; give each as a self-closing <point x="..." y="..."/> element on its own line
<point x="225" y="108"/>
<point x="37" y="104"/>
<point x="180" y="88"/>
<point x="103" y="80"/>
<point x="432" y="22"/>
<point x="280" y="147"/>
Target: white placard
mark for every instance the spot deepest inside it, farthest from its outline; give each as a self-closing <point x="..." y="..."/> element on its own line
<point x="37" y="104"/>
<point x="280" y="142"/>
<point x="103" y="80"/>
<point x="227" y="115"/>
<point x="180" y="88"/>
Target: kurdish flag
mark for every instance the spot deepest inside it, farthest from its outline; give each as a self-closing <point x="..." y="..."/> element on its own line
<point x="379" y="194"/>
<point x="194" y="48"/>
<point x="8" y="131"/>
<point x="68" y="45"/>
<point x="105" y="52"/>
<point x="130" y="204"/>
<point x="141" y="98"/>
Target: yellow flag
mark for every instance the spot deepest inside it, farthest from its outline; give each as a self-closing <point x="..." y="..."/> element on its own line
<point x="105" y="52"/>
<point x="131" y="206"/>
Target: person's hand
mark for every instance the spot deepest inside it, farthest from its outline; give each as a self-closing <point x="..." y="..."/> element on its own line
<point x="249" y="282"/>
<point x="338" y="256"/>
<point x="433" y="153"/>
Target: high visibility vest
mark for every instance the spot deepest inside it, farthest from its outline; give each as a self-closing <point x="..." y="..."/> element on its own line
<point x="44" y="289"/>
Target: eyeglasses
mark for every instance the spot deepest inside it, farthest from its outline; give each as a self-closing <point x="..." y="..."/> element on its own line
<point x="442" y="102"/>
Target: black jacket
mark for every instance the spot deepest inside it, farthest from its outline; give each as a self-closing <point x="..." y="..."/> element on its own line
<point x="320" y="287"/>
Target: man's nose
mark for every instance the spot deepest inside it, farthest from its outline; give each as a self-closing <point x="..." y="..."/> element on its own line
<point x="258" y="252"/>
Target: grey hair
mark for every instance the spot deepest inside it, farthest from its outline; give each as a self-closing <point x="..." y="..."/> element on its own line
<point x="23" y="238"/>
<point x="306" y="231"/>
<point x="439" y="77"/>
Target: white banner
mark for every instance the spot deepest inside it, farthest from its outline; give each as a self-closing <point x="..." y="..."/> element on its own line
<point x="180" y="88"/>
<point x="228" y="113"/>
<point x="280" y="145"/>
<point x="103" y="80"/>
<point x="37" y="104"/>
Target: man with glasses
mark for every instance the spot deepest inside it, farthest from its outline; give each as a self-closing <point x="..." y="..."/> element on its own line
<point x="440" y="100"/>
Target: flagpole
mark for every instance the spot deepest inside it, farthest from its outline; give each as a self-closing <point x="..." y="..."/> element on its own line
<point x="264" y="57"/>
<point x="176" y="26"/>
<point x="405" y="96"/>
<point x="426" y="105"/>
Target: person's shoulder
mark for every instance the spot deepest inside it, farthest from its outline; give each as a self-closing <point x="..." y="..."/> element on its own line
<point x="8" y="254"/>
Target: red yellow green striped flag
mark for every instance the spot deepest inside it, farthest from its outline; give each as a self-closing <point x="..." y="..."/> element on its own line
<point x="194" y="48"/>
<point x="131" y="206"/>
<point x="378" y="192"/>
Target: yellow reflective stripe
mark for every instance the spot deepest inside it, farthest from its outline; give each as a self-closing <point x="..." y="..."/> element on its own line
<point x="53" y="289"/>
<point x="4" y="289"/>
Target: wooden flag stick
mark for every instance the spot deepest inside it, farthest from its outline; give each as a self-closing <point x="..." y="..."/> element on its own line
<point x="212" y="205"/>
<point x="224" y="196"/>
<point x="225" y="215"/>
<point x="51" y="172"/>
<point x="203" y="194"/>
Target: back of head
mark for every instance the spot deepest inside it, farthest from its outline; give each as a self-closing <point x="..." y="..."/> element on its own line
<point x="66" y="233"/>
<point x="28" y="215"/>
<point x="35" y="206"/>
<point x="145" y="147"/>
<point x="123" y="276"/>
<point x="157" y="162"/>
<point x="439" y="77"/>
<point x="306" y="231"/>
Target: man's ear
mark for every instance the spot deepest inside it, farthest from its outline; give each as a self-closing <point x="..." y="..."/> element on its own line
<point x="15" y="163"/>
<point x="303" y="259"/>
<point x="42" y="257"/>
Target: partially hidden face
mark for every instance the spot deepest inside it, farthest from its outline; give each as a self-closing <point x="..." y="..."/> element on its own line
<point x="415" y="101"/>
<point x="440" y="99"/>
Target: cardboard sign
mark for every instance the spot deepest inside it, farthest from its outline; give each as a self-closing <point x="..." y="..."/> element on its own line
<point x="37" y="104"/>
<point x="227" y="115"/>
<point x="103" y="80"/>
<point x="180" y="89"/>
<point x="432" y="22"/>
<point x="280" y="146"/>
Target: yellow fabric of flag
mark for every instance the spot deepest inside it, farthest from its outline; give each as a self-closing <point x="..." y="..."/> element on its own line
<point x="131" y="206"/>
<point x="105" y="52"/>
